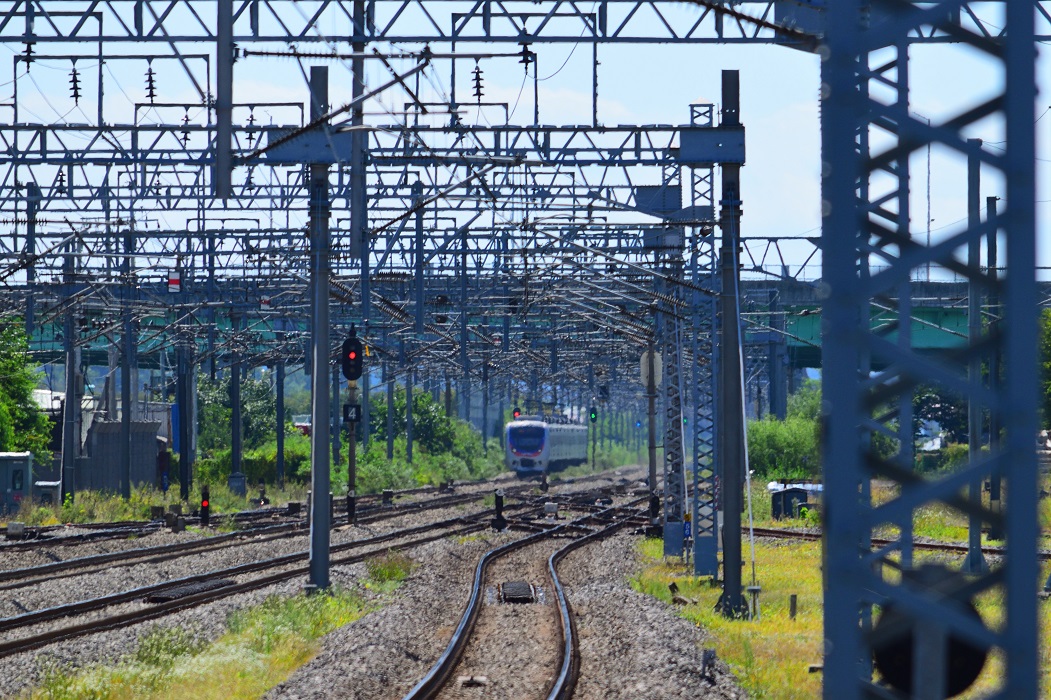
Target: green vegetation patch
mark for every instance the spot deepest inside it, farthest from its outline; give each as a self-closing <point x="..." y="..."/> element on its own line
<point x="388" y="571"/>
<point x="261" y="648"/>
<point x="770" y="656"/>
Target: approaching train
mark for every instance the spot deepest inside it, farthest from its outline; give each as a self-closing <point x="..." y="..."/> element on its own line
<point x="536" y="446"/>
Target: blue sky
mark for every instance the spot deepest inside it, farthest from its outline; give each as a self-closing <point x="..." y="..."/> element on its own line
<point x="638" y="84"/>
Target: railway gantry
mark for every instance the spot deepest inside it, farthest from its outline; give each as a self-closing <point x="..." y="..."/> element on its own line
<point x="169" y="230"/>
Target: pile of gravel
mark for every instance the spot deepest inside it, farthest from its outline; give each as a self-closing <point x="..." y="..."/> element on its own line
<point x="385" y="653"/>
<point x="633" y="645"/>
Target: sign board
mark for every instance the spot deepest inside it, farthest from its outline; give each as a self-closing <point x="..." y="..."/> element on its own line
<point x="174" y="282"/>
<point x="644" y="365"/>
<point x="352" y="413"/>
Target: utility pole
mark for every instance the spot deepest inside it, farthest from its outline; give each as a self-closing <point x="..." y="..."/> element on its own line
<point x="651" y="412"/>
<point x="996" y="531"/>
<point x="975" y="562"/>
<point x="359" y="245"/>
<point x="236" y="481"/>
<point x="70" y="440"/>
<point x="352" y="457"/>
<point x="280" y="385"/>
<point x="320" y="273"/>
<point x="128" y="342"/>
<point x="731" y="431"/>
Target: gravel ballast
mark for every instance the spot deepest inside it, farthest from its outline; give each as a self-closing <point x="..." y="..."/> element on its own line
<point x="632" y="646"/>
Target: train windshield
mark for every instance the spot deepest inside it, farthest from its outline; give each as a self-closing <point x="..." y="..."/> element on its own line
<point x="526" y="438"/>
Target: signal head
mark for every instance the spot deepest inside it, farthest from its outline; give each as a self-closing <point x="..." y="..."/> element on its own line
<point x="351" y="359"/>
<point x="516" y="413"/>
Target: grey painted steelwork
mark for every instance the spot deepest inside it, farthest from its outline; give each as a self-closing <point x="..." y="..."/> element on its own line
<point x="730" y="429"/>
<point x="674" y="473"/>
<point x="320" y="276"/>
<point x="853" y="230"/>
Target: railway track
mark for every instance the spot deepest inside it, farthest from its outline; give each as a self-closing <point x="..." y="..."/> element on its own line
<point x="950" y="547"/>
<point x="234" y="580"/>
<point x="463" y="651"/>
<point x="290" y="565"/>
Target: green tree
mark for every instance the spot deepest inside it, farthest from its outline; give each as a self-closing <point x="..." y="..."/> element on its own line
<point x="431" y="429"/>
<point x="806" y="401"/>
<point x="1045" y="366"/>
<point x="258" y="413"/>
<point x="23" y="426"/>
<point x="950" y="413"/>
<point x="783" y="449"/>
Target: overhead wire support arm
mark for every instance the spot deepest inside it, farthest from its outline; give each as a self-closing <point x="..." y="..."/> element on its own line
<point x="323" y="119"/>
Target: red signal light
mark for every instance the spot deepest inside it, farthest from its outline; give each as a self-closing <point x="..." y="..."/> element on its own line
<point x="205" y="511"/>
<point x="353" y="360"/>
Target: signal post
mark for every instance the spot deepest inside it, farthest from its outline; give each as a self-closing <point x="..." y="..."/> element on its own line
<point x="352" y="360"/>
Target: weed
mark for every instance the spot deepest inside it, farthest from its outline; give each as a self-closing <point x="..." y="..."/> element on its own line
<point x="262" y="647"/>
<point x="389" y="569"/>
<point x="161" y="646"/>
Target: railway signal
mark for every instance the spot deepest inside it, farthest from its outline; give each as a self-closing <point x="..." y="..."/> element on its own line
<point x="352" y="358"/>
<point x="593" y="416"/>
<point x="516" y="413"/>
<point x="205" y="506"/>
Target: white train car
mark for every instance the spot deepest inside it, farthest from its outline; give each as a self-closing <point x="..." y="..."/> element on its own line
<point x="535" y="446"/>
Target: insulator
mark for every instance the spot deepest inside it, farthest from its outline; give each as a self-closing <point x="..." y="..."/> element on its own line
<point x="74" y="85"/>
<point x="151" y="84"/>
<point x="477" y="83"/>
<point x="527" y="56"/>
<point x="60" y="182"/>
<point x="251" y="134"/>
<point x="28" y="54"/>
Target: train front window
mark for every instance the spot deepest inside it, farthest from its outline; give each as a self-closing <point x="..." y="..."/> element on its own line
<point x="527" y="438"/>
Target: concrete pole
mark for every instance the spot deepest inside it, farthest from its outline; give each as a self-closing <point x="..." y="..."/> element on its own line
<point x="181" y="401"/>
<point x="408" y="406"/>
<point x="128" y="342"/>
<point x="651" y="413"/>
<point x="320" y="274"/>
<point x="336" y="419"/>
<point x="975" y="561"/>
<point x="280" y="385"/>
<point x="995" y="505"/>
<point x="465" y="385"/>
<point x="236" y="482"/>
<point x="359" y="214"/>
<point x="33" y="198"/>
<point x="70" y="404"/>
<point x="389" y="379"/>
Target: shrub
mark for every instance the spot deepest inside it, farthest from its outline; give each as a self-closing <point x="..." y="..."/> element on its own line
<point x="784" y="449"/>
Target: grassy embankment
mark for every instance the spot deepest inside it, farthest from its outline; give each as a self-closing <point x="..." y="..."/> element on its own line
<point x="261" y="648"/>
<point x="770" y="656"/>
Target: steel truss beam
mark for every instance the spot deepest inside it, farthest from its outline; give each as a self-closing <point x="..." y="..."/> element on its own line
<point x="865" y="191"/>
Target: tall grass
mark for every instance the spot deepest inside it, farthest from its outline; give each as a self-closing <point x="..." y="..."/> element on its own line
<point x="262" y="646"/>
<point x="770" y="656"/>
<point x="102" y="506"/>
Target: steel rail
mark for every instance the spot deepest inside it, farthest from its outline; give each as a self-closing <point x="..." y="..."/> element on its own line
<point x="569" y="669"/>
<point x="429" y="686"/>
<point x="126" y="596"/>
<point x="134" y="617"/>
<point x="951" y="547"/>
